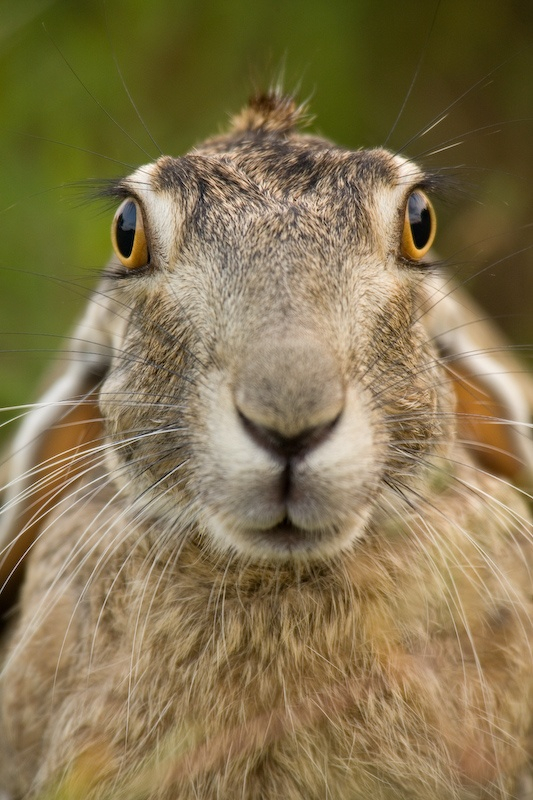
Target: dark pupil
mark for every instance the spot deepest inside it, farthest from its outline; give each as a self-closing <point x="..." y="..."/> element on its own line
<point x="419" y="220"/>
<point x="126" y="225"/>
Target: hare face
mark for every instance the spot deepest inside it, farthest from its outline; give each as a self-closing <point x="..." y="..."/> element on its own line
<point x="274" y="378"/>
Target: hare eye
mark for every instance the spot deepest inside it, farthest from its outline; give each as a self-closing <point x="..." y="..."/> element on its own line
<point x="419" y="226"/>
<point x="128" y="237"/>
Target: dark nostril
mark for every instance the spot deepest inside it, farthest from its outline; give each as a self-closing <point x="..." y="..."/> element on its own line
<point x="287" y="446"/>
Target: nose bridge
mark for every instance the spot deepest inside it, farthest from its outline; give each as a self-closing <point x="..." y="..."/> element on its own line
<point x="289" y="382"/>
<point x="285" y="264"/>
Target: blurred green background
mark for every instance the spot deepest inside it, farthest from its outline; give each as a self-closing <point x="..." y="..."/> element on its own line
<point x="65" y="119"/>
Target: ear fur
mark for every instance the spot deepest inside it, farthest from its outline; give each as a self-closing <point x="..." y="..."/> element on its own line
<point x="494" y="393"/>
<point x="59" y="439"/>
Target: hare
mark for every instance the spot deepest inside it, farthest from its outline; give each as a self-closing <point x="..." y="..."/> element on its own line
<point x="267" y="535"/>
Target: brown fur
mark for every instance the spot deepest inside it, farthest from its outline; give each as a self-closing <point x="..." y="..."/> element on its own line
<point x="278" y="359"/>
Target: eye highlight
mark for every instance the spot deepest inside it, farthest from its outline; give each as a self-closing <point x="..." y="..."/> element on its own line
<point x="419" y="228"/>
<point x="128" y="236"/>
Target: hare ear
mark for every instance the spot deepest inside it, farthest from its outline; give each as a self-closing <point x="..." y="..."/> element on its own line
<point x="59" y="439"/>
<point x="494" y="394"/>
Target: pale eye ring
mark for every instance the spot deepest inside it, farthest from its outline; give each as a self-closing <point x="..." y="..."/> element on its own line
<point x="128" y="235"/>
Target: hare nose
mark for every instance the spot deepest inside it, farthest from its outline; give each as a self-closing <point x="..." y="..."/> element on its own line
<point x="289" y="394"/>
<point x="287" y="446"/>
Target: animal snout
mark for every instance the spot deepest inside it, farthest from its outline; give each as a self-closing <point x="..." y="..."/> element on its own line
<point x="289" y="393"/>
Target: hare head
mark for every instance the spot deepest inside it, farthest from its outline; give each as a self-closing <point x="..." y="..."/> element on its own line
<point x="271" y="360"/>
<point x="271" y="368"/>
<point x="266" y="349"/>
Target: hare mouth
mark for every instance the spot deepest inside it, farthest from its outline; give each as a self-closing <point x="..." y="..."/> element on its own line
<point x="286" y="539"/>
<point x="286" y="530"/>
<point x="286" y="536"/>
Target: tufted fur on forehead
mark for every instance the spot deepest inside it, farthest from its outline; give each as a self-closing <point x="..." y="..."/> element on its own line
<point x="270" y="112"/>
<point x="265" y="156"/>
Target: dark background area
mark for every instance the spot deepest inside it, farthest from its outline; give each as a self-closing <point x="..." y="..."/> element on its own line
<point x="66" y="120"/>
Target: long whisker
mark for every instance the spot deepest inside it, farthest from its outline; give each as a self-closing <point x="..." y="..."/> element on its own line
<point x="415" y="74"/>
<point x="94" y="98"/>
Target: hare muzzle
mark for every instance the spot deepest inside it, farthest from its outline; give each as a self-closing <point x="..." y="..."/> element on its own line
<point x="281" y="478"/>
<point x="289" y="396"/>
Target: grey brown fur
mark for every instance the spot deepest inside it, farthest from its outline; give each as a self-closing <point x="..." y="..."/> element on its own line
<point x="280" y="573"/>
